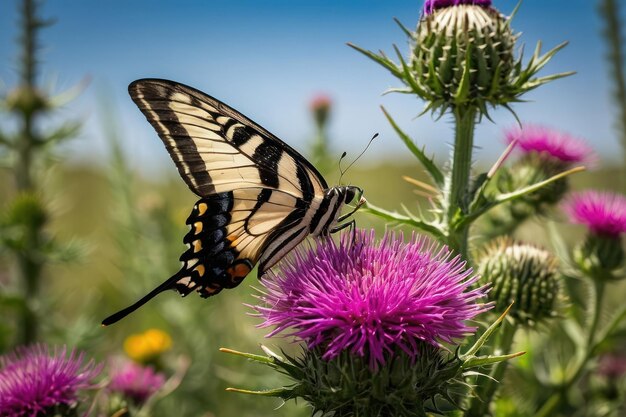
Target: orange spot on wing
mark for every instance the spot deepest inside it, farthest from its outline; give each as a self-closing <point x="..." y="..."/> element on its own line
<point x="198" y="226"/>
<point x="211" y="290"/>
<point x="202" y="208"/>
<point x="197" y="245"/>
<point x="238" y="272"/>
<point x="200" y="269"/>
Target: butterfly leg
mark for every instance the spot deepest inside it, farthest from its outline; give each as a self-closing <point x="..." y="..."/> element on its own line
<point x="345" y="216"/>
<point x="350" y="224"/>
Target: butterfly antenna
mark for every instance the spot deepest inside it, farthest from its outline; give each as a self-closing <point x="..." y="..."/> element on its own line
<point x="114" y="318"/>
<point x="343" y="155"/>
<point x="361" y="154"/>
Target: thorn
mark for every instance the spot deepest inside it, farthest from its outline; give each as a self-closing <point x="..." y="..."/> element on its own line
<point x="420" y="184"/>
<point x="501" y="159"/>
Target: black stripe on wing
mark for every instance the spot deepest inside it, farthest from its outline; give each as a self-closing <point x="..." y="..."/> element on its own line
<point x="190" y="123"/>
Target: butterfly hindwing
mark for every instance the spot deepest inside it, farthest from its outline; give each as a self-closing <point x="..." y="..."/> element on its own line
<point x="211" y="261"/>
<point x="228" y="232"/>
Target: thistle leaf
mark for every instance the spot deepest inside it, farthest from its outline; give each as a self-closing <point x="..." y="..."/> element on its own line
<point x="479" y="361"/>
<point x="485" y="336"/>
<point x="392" y="67"/>
<point x="284" y="393"/>
<point x="428" y="164"/>
<point x="400" y="219"/>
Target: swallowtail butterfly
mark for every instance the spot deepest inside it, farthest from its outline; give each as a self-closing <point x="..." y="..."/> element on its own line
<point x="259" y="198"/>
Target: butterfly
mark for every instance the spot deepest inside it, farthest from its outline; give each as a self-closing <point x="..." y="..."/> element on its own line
<point x="259" y="198"/>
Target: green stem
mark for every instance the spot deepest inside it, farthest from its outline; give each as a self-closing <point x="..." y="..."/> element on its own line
<point x="479" y="405"/>
<point x="557" y="398"/>
<point x="28" y="262"/>
<point x="465" y="122"/>
<point x="609" y="11"/>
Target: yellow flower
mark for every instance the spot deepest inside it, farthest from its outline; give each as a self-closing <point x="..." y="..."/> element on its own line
<point x="146" y="346"/>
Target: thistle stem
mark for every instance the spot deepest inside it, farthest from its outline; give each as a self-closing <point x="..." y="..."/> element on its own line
<point x="556" y="399"/>
<point x="480" y="403"/>
<point x="465" y="122"/>
<point x="28" y="263"/>
<point x="609" y="11"/>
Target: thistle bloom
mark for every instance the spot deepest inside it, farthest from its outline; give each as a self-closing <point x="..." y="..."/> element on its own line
<point x="135" y="382"/>
<point x="35" y="380"/>
<point x="603" y="213"/>
<point x="372" y="298"/>
<point x="320" y="107"/>
<point x="559" y="146"/>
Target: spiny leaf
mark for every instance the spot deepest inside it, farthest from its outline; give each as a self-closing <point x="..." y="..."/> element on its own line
<point x="489" y="360"/>
<point x="379" y="59"/>
<point x="485" y="336"/>
<point x="432" y="169"/>
<point x="514" y="195"/>
<point x="256" y="358"/>
<point x="398" y="218"/>
<point x="406" y="31"/>
<point x="284" y="393"/>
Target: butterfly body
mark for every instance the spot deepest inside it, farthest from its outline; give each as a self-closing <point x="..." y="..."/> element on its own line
<point x="259" y="198"/>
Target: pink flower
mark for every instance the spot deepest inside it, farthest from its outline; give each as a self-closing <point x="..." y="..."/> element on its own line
<point x="551" y="143"/>
<point x="604" y="213"/>
<point x="136" y="382"/>
<point x="321" y="102"/>
<point x="371" y="297"/>
<point x="35" y="380"/>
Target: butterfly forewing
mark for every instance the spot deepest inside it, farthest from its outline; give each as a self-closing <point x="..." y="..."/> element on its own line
<point x="216" y="148"/>
<point x="259" y="197"/>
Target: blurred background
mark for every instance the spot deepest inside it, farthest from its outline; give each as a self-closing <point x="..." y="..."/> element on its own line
<point x="110" y="201"/>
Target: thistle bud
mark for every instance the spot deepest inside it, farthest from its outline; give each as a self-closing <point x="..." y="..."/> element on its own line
<point x="463" y="57"/>
<point x="463" y="54"/>
<point x="528" y="170"/>
<point x="522" y="275"/>
<point x="601" y="254"/>
<point x="544" y="153"/>
<point x="320" y="108"/>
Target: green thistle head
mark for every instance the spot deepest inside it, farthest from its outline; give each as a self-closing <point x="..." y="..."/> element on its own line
<point x="523" y="275"/>
<point x="463" y="56"/>
<point x="346" y="385"/>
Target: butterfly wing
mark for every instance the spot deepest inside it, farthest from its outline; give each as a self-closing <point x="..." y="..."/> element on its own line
<point x="258" y="195"/>
<point x="216" y="148"/>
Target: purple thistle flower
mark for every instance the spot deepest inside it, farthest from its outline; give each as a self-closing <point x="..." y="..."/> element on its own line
<point x="431" y="5"/>
<point x="371" y="298"/>
<point x="33" y="380"/>
<point x="604" y="213"/>
<point x="551" y="143"/>
<point x="136" y="382"/>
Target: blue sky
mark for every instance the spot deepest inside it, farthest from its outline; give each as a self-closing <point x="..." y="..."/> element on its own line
<point x="269" y="58"/>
